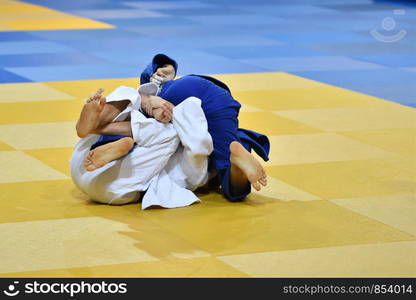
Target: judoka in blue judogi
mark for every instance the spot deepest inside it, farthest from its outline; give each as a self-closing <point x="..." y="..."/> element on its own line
<point x="221" y="111"/>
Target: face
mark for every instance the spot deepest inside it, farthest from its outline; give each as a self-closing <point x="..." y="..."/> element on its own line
<point x="167" y="72"/>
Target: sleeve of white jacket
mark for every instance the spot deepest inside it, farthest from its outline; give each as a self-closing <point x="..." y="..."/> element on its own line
<point x="148" y="132"/>
<point x="192" y="128"/>
<point x="125" y="93"/>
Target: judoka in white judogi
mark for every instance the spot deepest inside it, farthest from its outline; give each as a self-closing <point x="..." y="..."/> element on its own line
<point x="169" y="161"/>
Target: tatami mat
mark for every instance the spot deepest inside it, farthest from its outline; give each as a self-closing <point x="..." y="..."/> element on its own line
<point x="342" y="171"/>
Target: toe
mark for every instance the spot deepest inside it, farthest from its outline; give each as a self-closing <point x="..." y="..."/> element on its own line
<point x="90" y="168"/>
<point x="256" y="186"/>
<point x="87" y="161"/>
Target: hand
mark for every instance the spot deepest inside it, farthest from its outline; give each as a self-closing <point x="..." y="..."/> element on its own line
<point x="161" y="109"/>
<point x="162" y="115"/>
<point x="151" y="103"/>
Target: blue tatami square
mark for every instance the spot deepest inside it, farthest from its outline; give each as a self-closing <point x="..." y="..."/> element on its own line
<point x="10" y="77"/>
<point x="48" y="59"/>
<point x="77" y="72"/>
<point x="255" y="51"/>
<point x="358" y="78"/>
<point x="317" y="63"/>
<point x="32" y="47"/>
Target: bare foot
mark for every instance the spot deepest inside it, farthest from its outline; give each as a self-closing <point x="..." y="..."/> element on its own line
<point x="249" y="165"/>
<point x="90" y="114"/>
<point x="103" y="154"/>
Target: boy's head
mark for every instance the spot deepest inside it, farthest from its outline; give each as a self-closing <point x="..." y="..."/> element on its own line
<point x="166" y="71"/>
<point x="162" y="66"/>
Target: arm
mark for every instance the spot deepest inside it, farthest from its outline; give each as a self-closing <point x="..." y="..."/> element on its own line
<point x="157" y="107"/>
<point x="115" y="128"/>
<point x="161" y="111"/>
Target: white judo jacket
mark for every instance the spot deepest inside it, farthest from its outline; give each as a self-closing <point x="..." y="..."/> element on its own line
<point x="169" y="161"/>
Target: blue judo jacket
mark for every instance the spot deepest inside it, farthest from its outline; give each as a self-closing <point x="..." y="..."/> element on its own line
<point x="251" y="140"/>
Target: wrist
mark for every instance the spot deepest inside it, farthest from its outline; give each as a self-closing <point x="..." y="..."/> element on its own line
<point x="145" y="103"/>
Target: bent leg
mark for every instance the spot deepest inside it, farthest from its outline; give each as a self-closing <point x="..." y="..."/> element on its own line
<point x="237" y="168"/>
<point x="244" y="166"/>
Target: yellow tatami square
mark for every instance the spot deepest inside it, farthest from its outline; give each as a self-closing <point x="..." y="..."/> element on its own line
<point x="70" y="22"/>
<point x="44" y="200"/>
<point x="320" y="147"/>
<point x="374" y="260"/>
<point x="350" y="179"/>
<point x="266" y="81"/>
<point x="142" y="240"/>
<point x="18" y="166"/>
<point x="5" y="147"/>
<point x="395" y="210"/>
<point x="66" y="243"/>
<point x="3" y="2"/>
<point x="39" y="135"/>
<point x="82" y="89"/>
<point x="355" y="118"/>
<point x="305" y="98"/>
<point x="25" y="92"/>
<point x="190" y="267"/>
<point x="279" y="190"/>
<point x="57" y="158"/>
<point x="258" y="226"/>
<point x="40" y="111"/>
<point x="12" y="6"/>
<point x="250" y="108"/>
<point x="270" y="124"/>
<point x="52" y="16"/>
<point x="400" y="140"/>
<point x="25" y="16"/>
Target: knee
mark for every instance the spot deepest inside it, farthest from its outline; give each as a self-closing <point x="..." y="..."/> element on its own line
<point x="234" y="194"/>
<point x="236" y="197"/>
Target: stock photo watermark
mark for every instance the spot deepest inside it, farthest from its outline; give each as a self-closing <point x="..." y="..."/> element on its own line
<point x="64" y="288"/>
<point x="389" y="32"/>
